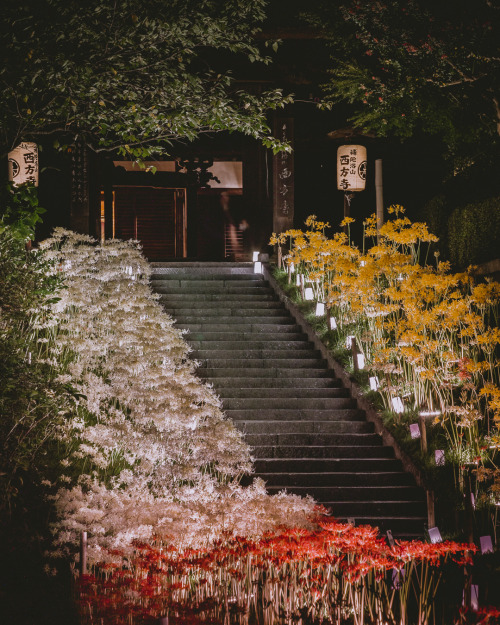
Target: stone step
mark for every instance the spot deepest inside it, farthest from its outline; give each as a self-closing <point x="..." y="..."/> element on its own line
<point x="237" y="321"/>
<point x="255" y="328"/>
<point x="264" y="364"/>
<point x="351" y="442"/>
<point x="297" y="392"/>
<point x="167" y="289"/>
<point x="355" y="493"/>
<point x="270" y="426"/>
<point x="376" y="508"/>
<point x="159" y="270"/>
<point x="222" y="277"/>
<point x="251" y="344"/>
<point x="237" y="306"/>
<point x="218" y="298"/>
<point x="402" y="527"/>
<point x="225" y="311"/>
<point x="339" y="414"/>
<point x="266" y="355"/>
<point x="285" y="404"/>
<point x="321" y="451"/>
<point x="261" y="372"/>
<point x="330" y="465"/>
<point x="292" y="481"/>
<point x="210" y="282"/>
<point x="218" y="338"/>
<point x="288" y="385"/>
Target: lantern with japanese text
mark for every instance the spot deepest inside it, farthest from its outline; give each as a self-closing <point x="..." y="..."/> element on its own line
<point x="351" y="168"/>
<point x="23" y="164"/>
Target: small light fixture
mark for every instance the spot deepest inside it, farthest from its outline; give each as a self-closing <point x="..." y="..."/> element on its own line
<point x="361" y="361"/>
<point x="333" y="323"/>
<point x="397" y="404"/>
<point x="257" y="267"/>
<point x="308" y="294"/>
<point x="255" y="256"/>
<point x="320" y="309"/>
<point x="430" y="413"/>
<point x="374" y="383"/>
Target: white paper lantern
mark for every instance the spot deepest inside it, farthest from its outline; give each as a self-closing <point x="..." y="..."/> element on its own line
<point x="320" y="309"/>
<point x="361" y="361"/>
<point x="308" y="294"/>
<point x="348" y="341"/>
<point x="257" y="267"/>
<point x="255" y="256"/>
<point x="351" y="168"/>
<point x="333" y="323"/>
<point x="23" y="164"/>
<point x="374" y="383"/>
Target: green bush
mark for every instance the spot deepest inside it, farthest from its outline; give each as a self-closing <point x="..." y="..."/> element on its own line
<point x="474" y="233"/>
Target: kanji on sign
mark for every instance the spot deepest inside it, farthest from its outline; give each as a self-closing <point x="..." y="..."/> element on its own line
<point x="351" y="167"/>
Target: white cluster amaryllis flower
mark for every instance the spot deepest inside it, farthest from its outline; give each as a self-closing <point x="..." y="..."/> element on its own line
<point x="154" y="452"/>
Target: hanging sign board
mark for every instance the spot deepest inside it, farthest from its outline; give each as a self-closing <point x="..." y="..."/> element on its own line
<point x="351" y="168"/>
<point x="23" y="164"/>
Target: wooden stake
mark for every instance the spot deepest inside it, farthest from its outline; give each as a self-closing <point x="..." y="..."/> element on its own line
<point x="431" y="513"/>
<point x="83" y="553"/>
<point x="423" y="434"/>
<point x="354" y="352"/>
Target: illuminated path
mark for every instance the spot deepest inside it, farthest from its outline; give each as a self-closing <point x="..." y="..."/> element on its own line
<point x="307" y="434"/>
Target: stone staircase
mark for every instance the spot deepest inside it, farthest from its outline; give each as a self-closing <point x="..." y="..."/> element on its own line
<point x="307" y="434"/>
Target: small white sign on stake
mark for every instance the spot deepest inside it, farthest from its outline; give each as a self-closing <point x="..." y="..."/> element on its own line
<point x="434" y="535"/>
<point x="414" y="430"/>
<point x="361" y="361"/>
<point x="486" y="544"/>
<point x="397" y="404"/>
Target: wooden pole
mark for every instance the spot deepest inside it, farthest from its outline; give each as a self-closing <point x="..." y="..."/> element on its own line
<point x="379" y="196"/>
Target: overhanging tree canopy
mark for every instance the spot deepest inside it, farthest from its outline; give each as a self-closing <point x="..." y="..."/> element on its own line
<point x="416" y="65"/>
<point x="130" y="75"/>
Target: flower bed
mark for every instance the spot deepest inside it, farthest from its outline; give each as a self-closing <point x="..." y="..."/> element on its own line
<point x="337" y="574"/>
<point x="429" y="338"/>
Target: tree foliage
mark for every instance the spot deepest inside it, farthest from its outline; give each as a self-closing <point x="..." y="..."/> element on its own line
<point x="416" y="65"/>
<point x="130" y="75"/>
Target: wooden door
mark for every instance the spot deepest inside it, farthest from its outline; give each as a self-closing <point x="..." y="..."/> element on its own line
<point x="154" y="216"/>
